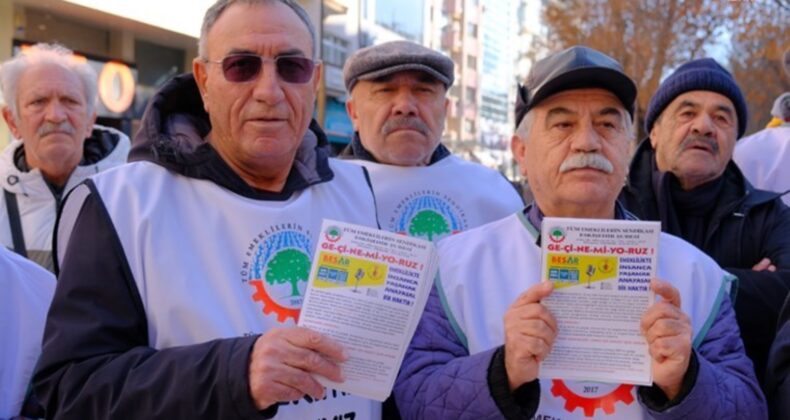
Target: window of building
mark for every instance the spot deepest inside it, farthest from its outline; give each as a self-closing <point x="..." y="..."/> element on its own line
<point x="402" y="16"/>
<point x="471" y="30"/>
<point x="471" y="93"/>
<point x="469" y="126"/>
<point x="335" y="50"/>
<point x="471" y="62"/>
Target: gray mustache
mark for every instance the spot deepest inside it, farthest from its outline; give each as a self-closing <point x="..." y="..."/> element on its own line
<point x="397" y="123"/>
<point x="48" y="128"/>
<point x="587" y="160"/>
<point x="691" y="139"/>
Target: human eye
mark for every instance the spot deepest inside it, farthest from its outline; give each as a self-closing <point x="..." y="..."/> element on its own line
<point x="562" y="124"/>
<point x="68" y="100"/>
<point x="687" y="113"/>
<point x="383" y="89"/>
<point x="37" y="102"/>
<point x="722" y="119"/>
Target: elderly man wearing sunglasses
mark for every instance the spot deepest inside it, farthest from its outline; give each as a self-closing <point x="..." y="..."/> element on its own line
<point x="181" y="297"/>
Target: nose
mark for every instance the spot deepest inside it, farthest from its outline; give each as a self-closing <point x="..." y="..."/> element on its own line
<point x="702" y="125"/>
<point x="56" y="112"/>
<point x="405" y="103"/>
<point x="586" y="139"/>
<point x="268" y="88"/>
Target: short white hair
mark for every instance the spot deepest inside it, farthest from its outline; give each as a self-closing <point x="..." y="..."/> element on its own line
<point x="12" y="70"/>
<point x="525" y="126"/>
<point x="215" y="11"/>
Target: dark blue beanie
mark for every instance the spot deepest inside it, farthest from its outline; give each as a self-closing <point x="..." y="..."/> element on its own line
<point x="701" y="74"/>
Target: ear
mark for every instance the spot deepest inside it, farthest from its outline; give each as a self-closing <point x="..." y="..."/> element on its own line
<point x="8" y="116"/>
<point x="352" y="113"/>
<point x="199" y="72"/>
<point x="519" y="150"/>
<point x="654" y="135"/>
<point x="91" y="123"/>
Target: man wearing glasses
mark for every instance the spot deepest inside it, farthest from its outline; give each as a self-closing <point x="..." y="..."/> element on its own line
<point x="182" y="273"/>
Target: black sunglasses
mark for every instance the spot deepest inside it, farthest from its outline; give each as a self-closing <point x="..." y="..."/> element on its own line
<point x="239" y="68"/>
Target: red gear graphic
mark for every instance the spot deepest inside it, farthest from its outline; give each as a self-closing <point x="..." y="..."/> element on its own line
<point x="269" y="305"/>
<point x="589" y="405"/>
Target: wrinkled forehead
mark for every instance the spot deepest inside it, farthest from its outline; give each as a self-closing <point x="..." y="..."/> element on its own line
<point x="49" y="78"/>
<point x="703" y="99"/>
<point x="407" y="76"/>
<point x="268" y="29"/>
<point x="595" y="101"/>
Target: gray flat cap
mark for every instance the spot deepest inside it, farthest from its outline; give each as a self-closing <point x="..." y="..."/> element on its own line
<point x="393" y="57"/>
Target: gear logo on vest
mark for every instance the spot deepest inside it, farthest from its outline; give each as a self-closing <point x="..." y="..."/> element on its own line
<point x="428" y="215"/>
<point x="591" y="396"/>
<point x="277" y="267"/>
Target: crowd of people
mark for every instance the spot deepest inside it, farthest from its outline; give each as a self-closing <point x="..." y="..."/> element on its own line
<point x="134" y="275"/>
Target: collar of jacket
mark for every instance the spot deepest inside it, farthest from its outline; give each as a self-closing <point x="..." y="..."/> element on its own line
<point x="172" y="135"/>
<point x="737" y="192"/>
<point x="105" y="148"/>
<point x="355" y="150"/>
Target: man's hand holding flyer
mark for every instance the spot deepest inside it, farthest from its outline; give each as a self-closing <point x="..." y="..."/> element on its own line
<point x="367" y="290"/>
<point x="601" y="270"/>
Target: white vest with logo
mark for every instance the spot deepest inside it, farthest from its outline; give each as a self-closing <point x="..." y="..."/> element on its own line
<point x="211" y="264"/>
<point x="433" y="202"/>
<point x="484" y="270"/>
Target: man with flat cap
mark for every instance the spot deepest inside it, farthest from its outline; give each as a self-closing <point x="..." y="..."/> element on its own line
<point x="684" y="176"/>
<point x="398" y="105"/>
<point x="484" y="332"/>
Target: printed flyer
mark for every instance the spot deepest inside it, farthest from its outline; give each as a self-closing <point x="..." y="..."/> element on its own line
<point x="367" y="290"/>
<point x="601" y="270"/>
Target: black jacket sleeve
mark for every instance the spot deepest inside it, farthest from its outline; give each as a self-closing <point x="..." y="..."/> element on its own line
<point x="761" y="294"/>
<point x="778" y="372"/>
<point x="96" y="361"/>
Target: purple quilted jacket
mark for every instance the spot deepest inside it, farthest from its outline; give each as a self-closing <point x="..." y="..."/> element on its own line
<point x="439" y="379"/>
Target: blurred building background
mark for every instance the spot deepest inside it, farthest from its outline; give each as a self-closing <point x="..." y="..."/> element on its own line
<point x="136" y="46"/>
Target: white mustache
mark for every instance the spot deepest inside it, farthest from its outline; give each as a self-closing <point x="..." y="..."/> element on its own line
<point x="48" y="127"/>
<point x="587" y="160"/>
<point x="397" y="123"/>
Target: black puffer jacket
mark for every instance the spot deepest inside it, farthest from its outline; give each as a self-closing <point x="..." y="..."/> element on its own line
<point x="747" y="225"/>
<point x="777" y="378"/>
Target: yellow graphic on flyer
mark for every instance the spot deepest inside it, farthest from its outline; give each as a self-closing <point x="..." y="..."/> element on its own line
<point x="567" y="270"/>
<point x="335" y="270"/>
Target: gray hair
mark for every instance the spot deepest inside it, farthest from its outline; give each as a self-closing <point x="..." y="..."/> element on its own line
<point x="525" y="126"/>
<point x="214" y="12"/>
<point x="12" y="70"/>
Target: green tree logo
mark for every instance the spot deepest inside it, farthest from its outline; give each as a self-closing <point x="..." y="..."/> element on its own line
<point x="333" y="234"/>
<point x="428" y="223"/>
<point x="557" y="235"/>
<point x="291" y="266"/>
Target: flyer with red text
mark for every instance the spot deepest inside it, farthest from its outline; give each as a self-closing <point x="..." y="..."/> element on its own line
<point x="601" y="270"/>
<point x="367" y="290"/>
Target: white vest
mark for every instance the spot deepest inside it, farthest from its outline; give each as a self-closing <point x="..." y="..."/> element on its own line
<point x="764" y="158"/>
<point x="25" y="294"/>
<point x="484" y="270"/>
<point x="433" y="202"/>
<point x="211" y="264"/>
